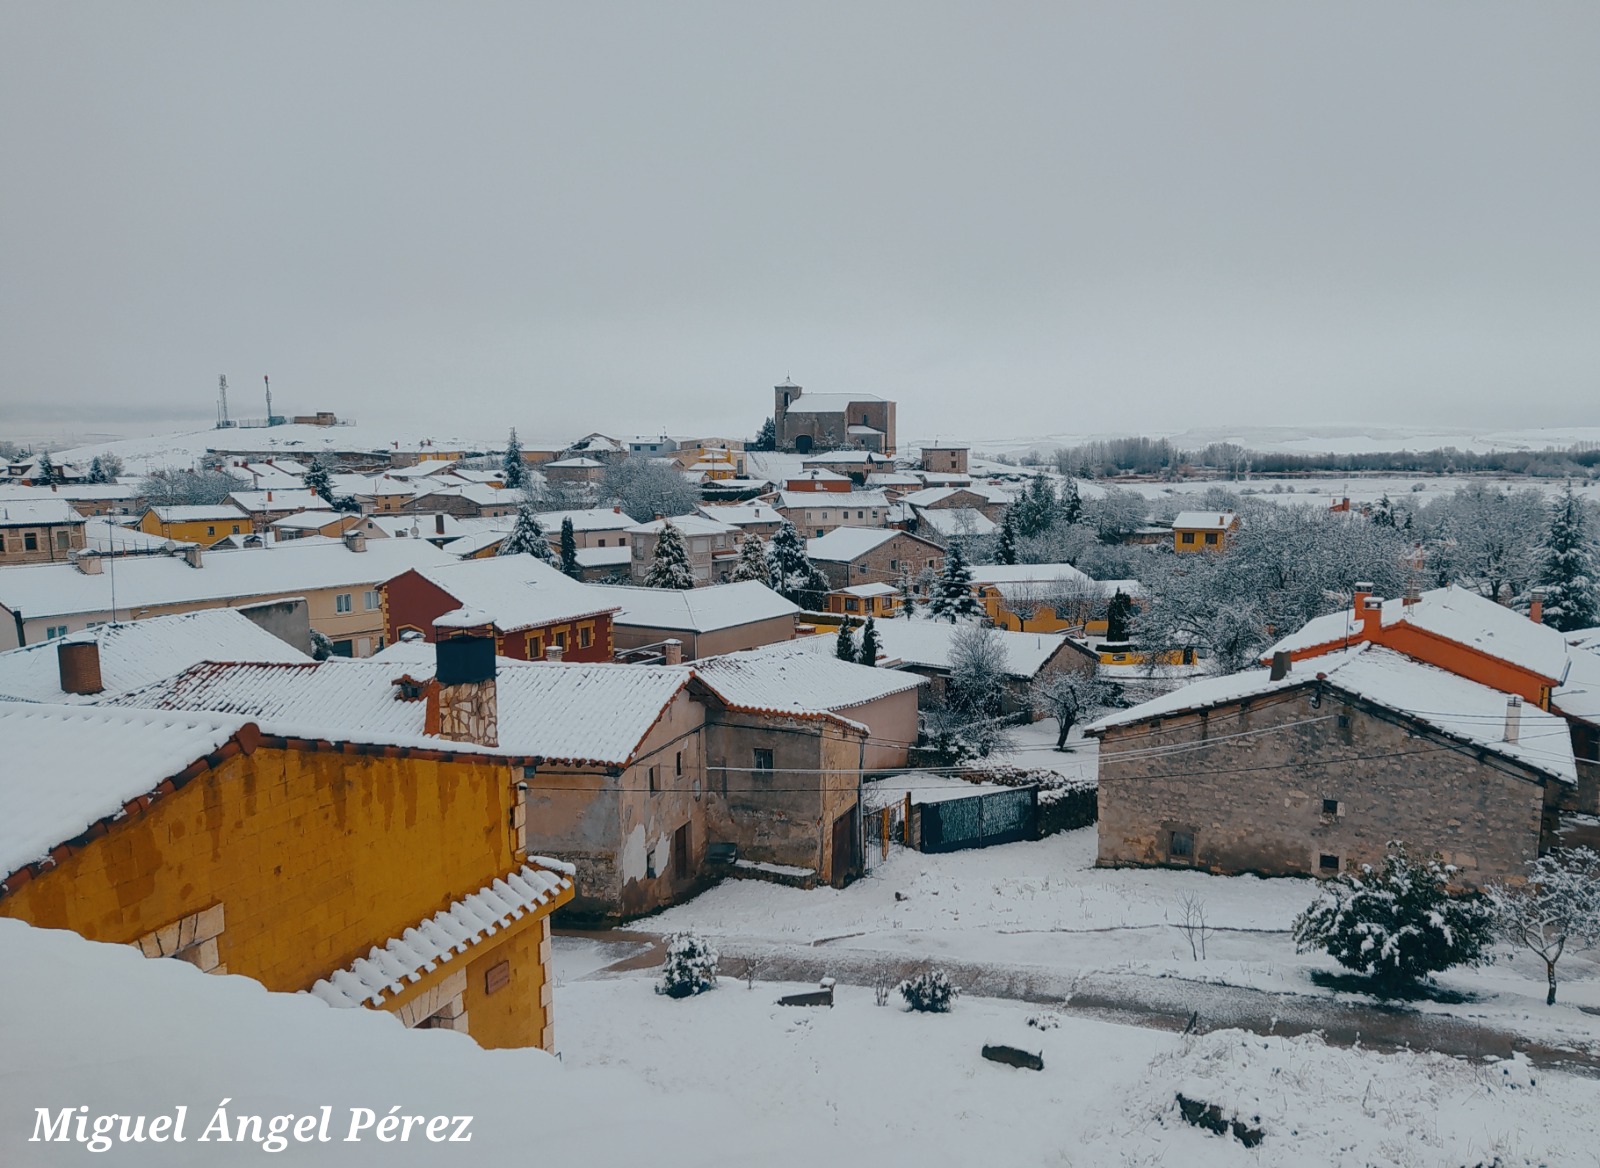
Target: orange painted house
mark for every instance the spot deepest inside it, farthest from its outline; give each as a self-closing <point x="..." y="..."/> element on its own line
<point x="1203" y="531"/>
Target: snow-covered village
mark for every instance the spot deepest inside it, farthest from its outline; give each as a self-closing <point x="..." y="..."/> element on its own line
<point x="1042" y="564"/>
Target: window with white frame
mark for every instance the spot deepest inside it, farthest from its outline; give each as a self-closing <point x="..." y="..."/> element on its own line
<point x="341" y="602"/>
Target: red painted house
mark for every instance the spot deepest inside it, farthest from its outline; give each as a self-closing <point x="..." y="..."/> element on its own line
<point x="533" y="608"/>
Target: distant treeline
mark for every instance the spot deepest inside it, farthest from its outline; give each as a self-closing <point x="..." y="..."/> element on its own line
<point x="1158" y="457"/>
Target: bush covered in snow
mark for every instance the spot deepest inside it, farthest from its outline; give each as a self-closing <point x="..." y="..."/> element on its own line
<point x="929" y="992"/>
<point x="690" y="967"/>
<point x="1397" y="924"/>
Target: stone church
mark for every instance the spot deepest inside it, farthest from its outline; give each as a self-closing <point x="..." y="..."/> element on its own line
<point x="807" y="422"/>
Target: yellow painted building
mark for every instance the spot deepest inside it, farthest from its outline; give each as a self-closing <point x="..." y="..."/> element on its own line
<point x="1203" y="531"/>
<point x="201" y="525"/>
<point x="299" y="863"/>
<point x="864" y="600"/>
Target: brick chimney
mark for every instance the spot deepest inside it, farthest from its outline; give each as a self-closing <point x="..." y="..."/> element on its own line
<point x="355" y="541"/>
<point x="1513" y="718"/>
<point x="1363" y="590"/>
<point x="192" y="555"/>
<point x="552" y="652"/>
<point x="1536" y="607"/>
<point x="465" y="672"/>
<point x="438" y="524"/>
<point x="79" y="662"/>
<point x="1280" y="665"/>
<point x="87" y="563"/>
<point x="672" y="651"/>
<point x="1371" y="615"/>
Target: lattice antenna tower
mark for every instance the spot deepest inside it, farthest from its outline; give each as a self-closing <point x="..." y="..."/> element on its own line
<point x="222" y="401"/>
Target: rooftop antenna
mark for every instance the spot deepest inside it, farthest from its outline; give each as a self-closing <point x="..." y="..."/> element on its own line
<point x="222" y="401"/>
<point x="267" y="381"/>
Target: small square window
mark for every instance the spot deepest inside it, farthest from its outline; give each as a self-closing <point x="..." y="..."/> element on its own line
<point x="585" y="637"/>
<point x="1211" y="537"/>
<point x="1186" y="537"/>
<point x="763" y="760"/>
<point x="1181" y="845"/>
<point x="677" y="764"/>
<point x="1330" y="807"/>
<point x="654" y="785"/>
<point x="1327" y="863"/>
<point x="1344" y="721"/>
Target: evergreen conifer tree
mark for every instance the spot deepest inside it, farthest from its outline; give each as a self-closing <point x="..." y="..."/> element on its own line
<point x="1036" y="510"/>
<point x="569" y="549"/>
<point x="1567" y="571"/>
<point x="45" y="473"/>
<point x="513" y="471"/>
<point x="844" y="645"/>
<point x="97" y="472"/>
<point x="752" y="563"/>
<point x="952" y="598"/>
<point x="1069" y="509"/>
<point x="527" y="537"/>
<point x="670" y="568"/>
<point x="870" y="648"/>
<point x="319" y="482"/>
<point x="1005" y="548"/>
<point x="793" y="575"/>
<point x="767" y="437"/>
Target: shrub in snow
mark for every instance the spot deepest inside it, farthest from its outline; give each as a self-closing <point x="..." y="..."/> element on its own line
<point x="690" y="968"/>
<point x="1397" y="924"/>
<point x="1556" y="910"/>
<point x="929" y="993"/>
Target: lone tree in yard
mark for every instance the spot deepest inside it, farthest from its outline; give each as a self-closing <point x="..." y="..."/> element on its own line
<point x="1005" y="548"/>
<point x="527" y="537"/>
<point x="870" y="648"/>
<point x="792" y="574"/>
<point x="670" y="568"/>
<point x="319" y="482"/>
<point x="1070" y="698"/>
<point x="1567" y="568"/>
<point x="752" y="564"/>
<point x="690" y="967"/>
<point x="1556" y="910"/>
<point x="569" y="550"/>
<point x="844" y="645"/>
<point x="1397" y="924"/>
<point x="513" y="471"/>
<point x="967" y="721"/>
<point x="952" y="596"/>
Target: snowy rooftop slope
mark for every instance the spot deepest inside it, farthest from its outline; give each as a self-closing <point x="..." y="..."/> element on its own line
<point x="790" y="678"/>
<point x="278" y="499"/>
<point x="1455" y="614"/>
<point x="135" y="653"/>
<point x="1204" y="520"/>
<point x="217" y="514"/>
<point x="843" y="544"/>
<point x="1029" y="574"/>
<point x="739" y="514"/>
<point x="828" y="403"/>
<point x="926" y="643"/>
<point x="38" y="590"/>
<point x="831" y="500"/>
<point x="1580" y="696"/>
<point x="1461" y="708"/>
<point x="99" y="492"/>
<point x="687" y="524"/>
<point x="519" y="592"/>
<point x="933" y="496"/>
<point x="102" y="535"/>
<point x="957" y="520"/>
<point x="30" y="512"/>
<point x="68" y="766"/>
<point x="466" y="546"/>
<point x="698" y="610"/>
<point x="566" y="712"/>
<point x="586" y="519"/>
<point x="403" y="960"/>
<point x="603" y="557"/>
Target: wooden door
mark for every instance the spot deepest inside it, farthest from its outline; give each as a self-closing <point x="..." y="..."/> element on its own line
<point x="680" y="853"/>
<point x="844" y="849"/>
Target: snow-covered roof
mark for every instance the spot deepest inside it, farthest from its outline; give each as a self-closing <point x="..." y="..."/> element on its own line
<point x="848" y="458"/>
<point x="742" y="514"/>
<point x="943" y="479"/>
<point x="401" y="961"/>
<point x="480" y="493"/>
<point x="828" y="403"/>
<point x="1579" y="697"/>
<point x="1028" y="573"/>
<point x="604" y="557"/>
<point x="470" y="545"/>
<point x="867" y="590"/>
<point x="844" y="544"/>
<point x="1454" y="614"/>
<point x="586" y="519"/>
<point x="698" y="610"/>
<point x="927" y="644"/>
<point x="300" y="565"/>
<point x="102" y="535"/>
<point x="957" y="520"/>
<point x="37" y="513"/>
<point x="566" y="712"/>
<point x="427" y="524"/>
<point x="817" y="474"/>
<point x="1203" y="520"/>
<point x="859" y="431"/>
<point x="933" y="496"/>
<point x="279" y="499"/>
<point x="574" y="464"/>
<point x="791" y="678"/>
<point x="831" y="500"/>
<point x="218" y="514"/>
<point x="892" y="479"/>
<point x="518" y="592"/>
<point x="102" y="492"/>
<point x="1460" y="708"/>
<point x="309" y="520"/>
<point x="687" y="524"/>
<point x="136" y="653"/>
<point x="68" y="767"/>
<point x="422" y="470"/>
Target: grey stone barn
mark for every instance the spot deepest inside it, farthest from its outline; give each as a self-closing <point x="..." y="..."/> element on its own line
<point x="1315" y="772"/>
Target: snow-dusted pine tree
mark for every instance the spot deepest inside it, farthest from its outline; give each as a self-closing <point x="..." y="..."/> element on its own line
<point x="1398" y="923"/>
<point x="98" y="472"/>
<point x="793" y="575"/>
<point x="527" y="537"/>
<point x="690" y="967"/>
<point x="1567" y="567"/>
<point x="844" y="645"/>
<point x="513" y="471"/>
<point x="318" y="481"/>
<point x="952" y="597"/>
<point x="1005" y="548"/>
<point x="670" y="568"/>
<point x="870" y="647"/>
<point x="569" y="548"/>
<point x="1069" y="509"/>
<point x="752" y="564"/>
<point x="45" y="472"/>
<point x="1556" y="910"/>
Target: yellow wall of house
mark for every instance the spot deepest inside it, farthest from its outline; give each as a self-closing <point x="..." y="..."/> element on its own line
<point x="200" y="531"/>
<point x="515" y="1014"/>
<point x="316" y="857"/>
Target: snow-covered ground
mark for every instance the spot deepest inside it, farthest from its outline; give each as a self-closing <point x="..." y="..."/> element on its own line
<point x="1043" y="911"/>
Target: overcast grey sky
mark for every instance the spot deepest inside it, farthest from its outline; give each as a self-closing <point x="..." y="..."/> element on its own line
<point x="1011" y="217"/>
